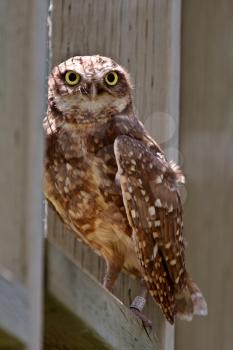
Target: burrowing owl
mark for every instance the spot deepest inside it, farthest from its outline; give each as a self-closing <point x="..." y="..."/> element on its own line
<point x="111" y="183"/>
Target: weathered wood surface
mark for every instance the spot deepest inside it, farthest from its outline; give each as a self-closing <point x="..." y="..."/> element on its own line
<point x="22" y="99"/>
<point x="143" y="36"/>
<point x="12" y="141"/>
<point x="80" y="314"/>
<point x="14" y="313"/>
<point x="207" y="148"/>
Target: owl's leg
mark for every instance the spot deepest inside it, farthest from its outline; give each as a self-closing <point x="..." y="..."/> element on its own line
<point x="112" y="272"/>
<point x="138" y="304"/>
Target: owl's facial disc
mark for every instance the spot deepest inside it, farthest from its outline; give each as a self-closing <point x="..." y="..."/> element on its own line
<point x="89" y="91"/>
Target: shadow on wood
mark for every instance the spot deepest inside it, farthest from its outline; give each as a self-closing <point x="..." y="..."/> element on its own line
<point x="8" y="342"/>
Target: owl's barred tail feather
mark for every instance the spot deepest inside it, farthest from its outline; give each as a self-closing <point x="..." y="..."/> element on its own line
<point x="190" y="302"/>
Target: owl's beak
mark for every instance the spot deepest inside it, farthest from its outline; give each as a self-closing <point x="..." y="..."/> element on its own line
<point x="93" y="91"/>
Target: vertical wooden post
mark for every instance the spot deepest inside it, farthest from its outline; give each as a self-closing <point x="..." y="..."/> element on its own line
<point x="207" y="144"/>
<point x="22" y="97"/>
<point x="144" y="36"/>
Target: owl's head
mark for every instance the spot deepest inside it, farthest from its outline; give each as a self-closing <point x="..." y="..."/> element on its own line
<point x="85" y="89"/>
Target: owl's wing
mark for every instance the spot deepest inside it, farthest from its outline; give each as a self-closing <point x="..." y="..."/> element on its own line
<point x="154" y="211"/>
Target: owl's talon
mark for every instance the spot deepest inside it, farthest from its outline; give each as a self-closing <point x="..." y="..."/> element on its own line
<point x="145" y="321"/>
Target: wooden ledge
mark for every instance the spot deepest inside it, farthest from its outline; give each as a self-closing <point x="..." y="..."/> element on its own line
<point x="81" y="314"/>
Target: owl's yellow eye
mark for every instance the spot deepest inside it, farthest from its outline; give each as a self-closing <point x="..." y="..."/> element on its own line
<point x="72" y="78"/>
<point x="111" y="78"/>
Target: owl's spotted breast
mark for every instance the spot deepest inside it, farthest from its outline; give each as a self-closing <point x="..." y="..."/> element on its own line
<point x="80" y="183"/>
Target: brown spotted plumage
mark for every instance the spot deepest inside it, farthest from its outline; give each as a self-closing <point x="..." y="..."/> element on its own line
<point x="111" y="183"/>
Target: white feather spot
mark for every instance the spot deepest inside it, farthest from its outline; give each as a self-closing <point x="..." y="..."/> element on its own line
<point x="67" y="182"/>
<point x="151" y="211"/>
<point x="86" y="227"/>
<point x="157" y="223"/>
<point x="155" y="235"/>
<point x="155" y="251"/>
<point x="59" y="178"/>
<point x="158" y="203"/>
<point x="170" y="209"/>
<point x="173" y="262"/>
<point x="181" y="271"/>
<point x="128" y="196"/>
<point x="185" y="317"/>
<point x="68" y="166"/>
<point x="130" y="154"/>
<point x="159" y="179"/>
<point x="133" y="213"/>
<point x="160" y="155"/>
<point x="168" y="245"/>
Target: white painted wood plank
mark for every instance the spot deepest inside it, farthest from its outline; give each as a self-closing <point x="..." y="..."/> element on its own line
<point x="37" y="71"/>
<point x="207" y="148"/>
<point x="22" y="99"/>
<point x="13" y="136"/>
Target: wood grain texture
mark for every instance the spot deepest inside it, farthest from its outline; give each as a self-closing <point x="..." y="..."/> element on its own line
<point x="206" y="145"/>
<point x="12" y="141"/>
<point x="144" y="37"/>
<point x="81" y="315"/>
<point x="22" y="99"/>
